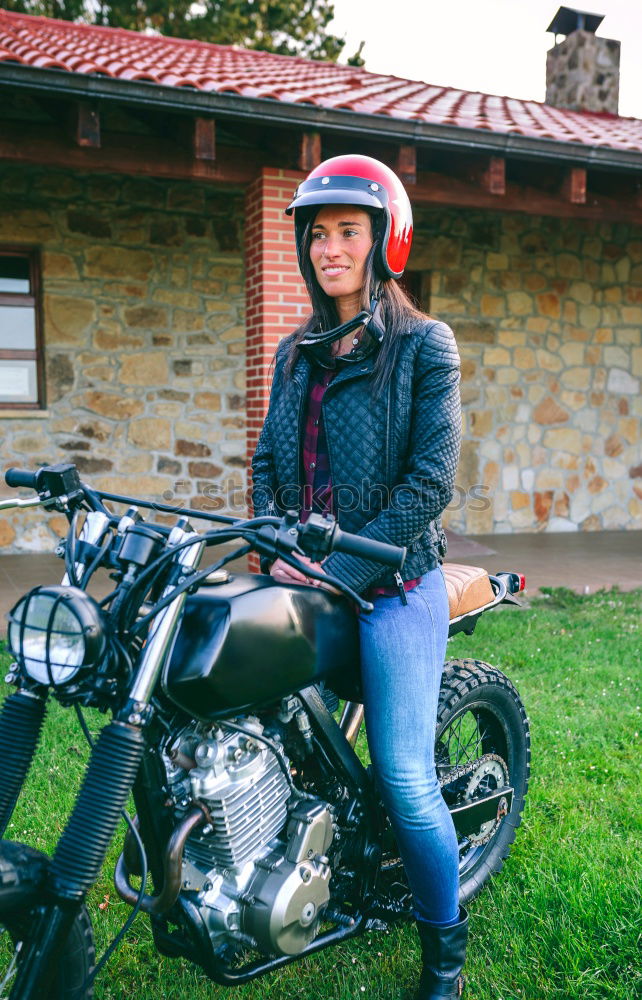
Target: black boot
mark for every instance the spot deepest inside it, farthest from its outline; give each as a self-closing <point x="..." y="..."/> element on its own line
<point x="443" y="950"/>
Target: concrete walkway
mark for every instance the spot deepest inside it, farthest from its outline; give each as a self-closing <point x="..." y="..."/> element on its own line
<point x="582" y="561"/>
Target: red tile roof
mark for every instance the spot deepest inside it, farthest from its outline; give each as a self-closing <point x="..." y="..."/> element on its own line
<point x="174" y="62"/>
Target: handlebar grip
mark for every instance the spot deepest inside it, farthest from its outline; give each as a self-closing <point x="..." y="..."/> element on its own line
<point x="21" y="477"/>
<point x="367" y="548"/>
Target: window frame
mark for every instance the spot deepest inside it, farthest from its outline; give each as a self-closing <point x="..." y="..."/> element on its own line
<point x="33" y="300"/>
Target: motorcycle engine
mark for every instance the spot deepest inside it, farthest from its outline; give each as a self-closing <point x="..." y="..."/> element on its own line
<point x="260" y="868"/>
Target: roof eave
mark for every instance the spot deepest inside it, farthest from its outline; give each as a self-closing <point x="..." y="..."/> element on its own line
<point x="143" y="93"/>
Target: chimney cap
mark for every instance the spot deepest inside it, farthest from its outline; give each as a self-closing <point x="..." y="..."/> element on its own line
<point x="567" y="20"/>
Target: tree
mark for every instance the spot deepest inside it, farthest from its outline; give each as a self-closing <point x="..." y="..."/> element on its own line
<point x="64" y="10"/>
<point x="287" y="27"/>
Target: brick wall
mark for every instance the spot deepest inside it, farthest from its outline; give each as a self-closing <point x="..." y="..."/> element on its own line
<point x="548" y="318"/>
<point x="144" y="330"/>
<point x="276" y="296"/>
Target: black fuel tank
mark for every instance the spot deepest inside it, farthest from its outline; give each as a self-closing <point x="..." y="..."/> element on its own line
<point x="250" y="640"/>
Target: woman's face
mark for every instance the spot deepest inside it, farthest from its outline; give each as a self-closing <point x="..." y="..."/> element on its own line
<point x="341" y="242"/>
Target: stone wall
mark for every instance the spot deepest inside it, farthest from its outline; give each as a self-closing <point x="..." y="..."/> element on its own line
<point x="548" y="318"/>
<point x="144" y="337"/>
<point x="144" y="326"/>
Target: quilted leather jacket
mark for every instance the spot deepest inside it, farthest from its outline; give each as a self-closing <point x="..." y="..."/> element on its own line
<point x="392" y="461"/>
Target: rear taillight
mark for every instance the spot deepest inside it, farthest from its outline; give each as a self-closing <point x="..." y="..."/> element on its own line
<point x="515" y="582"/>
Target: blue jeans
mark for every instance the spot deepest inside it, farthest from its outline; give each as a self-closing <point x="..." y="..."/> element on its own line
<point x="402" y="656"/>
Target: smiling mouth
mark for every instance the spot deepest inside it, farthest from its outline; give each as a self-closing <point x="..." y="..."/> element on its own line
<point x="334" y="270"/>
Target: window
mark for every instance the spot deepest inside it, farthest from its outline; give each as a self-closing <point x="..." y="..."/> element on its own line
<point x="416" y="284"/>
<point x="21" y="368"/>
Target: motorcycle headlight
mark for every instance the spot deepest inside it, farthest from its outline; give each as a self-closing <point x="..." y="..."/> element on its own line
<point x="55" y="632"/>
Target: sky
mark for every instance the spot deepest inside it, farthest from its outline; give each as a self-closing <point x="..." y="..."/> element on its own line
<point x="492" y="46"/>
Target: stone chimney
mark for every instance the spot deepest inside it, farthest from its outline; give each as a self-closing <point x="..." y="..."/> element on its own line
<point x="582" y="71"/>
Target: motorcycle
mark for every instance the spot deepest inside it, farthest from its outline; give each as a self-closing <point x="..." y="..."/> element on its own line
<point x="235" y="708"/>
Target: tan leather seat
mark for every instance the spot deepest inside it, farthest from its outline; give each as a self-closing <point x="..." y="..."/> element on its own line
<point x="468" y="588"/>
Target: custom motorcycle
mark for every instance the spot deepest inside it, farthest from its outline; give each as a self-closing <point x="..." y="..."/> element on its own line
<point x="235" y="708"/>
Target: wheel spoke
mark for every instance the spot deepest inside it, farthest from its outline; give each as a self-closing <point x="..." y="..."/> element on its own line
<point x="455" y="731"/>
<point x="478" y="749"/>
<point x="480" y="745"/>
<point x="464" y="744"/>
<point x="473" y="736"/>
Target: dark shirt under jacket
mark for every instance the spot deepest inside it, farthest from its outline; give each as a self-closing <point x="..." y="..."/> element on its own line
<point x="317" y="485"/>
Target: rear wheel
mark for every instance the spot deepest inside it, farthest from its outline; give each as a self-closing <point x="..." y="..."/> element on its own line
<point x="22" y="873"/>
<point x="482" y="744"/>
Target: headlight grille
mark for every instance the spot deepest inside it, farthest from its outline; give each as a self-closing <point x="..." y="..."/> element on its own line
<point x="54" y="632"/>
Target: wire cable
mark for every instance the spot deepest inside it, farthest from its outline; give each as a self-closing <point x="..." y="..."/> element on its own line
<point x="191" y="581"/>
<point x="277" y="750"/>
<point x="93" y="565"/>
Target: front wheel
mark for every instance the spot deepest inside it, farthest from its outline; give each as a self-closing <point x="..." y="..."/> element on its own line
<point x="482" y="744"/>
<point x="22" y="874"/>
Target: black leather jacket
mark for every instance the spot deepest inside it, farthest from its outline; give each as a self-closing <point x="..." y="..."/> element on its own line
<point x="392" y="461"/>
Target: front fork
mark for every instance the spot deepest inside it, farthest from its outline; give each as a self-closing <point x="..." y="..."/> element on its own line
<point x="80" y="853"/>
<point x="109" y="779"/>
<point x="21" y="720"/>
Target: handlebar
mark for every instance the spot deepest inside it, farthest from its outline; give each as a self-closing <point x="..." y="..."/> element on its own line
<point x="21" y="477"/>
<point x="368" y="548"/>
<point x="270" y="536"/>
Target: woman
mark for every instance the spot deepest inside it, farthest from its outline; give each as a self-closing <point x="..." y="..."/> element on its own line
<point x="364" y="422"/>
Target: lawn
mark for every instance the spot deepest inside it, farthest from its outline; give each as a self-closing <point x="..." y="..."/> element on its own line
<point x="561" y="921"/>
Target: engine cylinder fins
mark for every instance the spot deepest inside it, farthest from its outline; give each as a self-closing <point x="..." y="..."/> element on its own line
<point x="245" y="816"/>
<point x="259" y="868"/>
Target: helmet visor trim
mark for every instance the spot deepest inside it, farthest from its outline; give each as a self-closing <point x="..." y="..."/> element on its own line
<point x="337" y="190"/>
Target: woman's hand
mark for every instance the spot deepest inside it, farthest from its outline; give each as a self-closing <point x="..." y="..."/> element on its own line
<point x="284" y="573"/>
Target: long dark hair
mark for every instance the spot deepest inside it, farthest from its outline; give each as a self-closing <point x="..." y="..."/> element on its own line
<point x="398" y="314"/>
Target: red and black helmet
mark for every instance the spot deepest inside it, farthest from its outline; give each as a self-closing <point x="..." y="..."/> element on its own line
<point x="360" y="180"/>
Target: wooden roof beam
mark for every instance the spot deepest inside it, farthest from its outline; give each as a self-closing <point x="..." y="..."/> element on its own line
<point x="407" y="164"/>
<point x="493" y="178"/>
<point x="574" y="185"/>
<point x="309" y="151"/>
<point x="85" y="125"/>
<point x="204" y="139"/>
<point x="81" y="121"/>
<point x="151" y="156"/>
<point x="196" y="137"/>
<point x="437" y="188"/>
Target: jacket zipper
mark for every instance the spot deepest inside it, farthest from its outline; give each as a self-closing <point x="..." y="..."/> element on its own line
<point x="300" y="472"/>
<point x="398" y="579"/>
<point x="397" y="576"/>
<point x="325" y="425"/>
<point x="401" y="588"/>
<point x="388" y="435"/>
<point x="327" y="441"/>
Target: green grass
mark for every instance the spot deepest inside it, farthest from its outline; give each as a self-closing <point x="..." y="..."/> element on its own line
<point x="563" y="918"/>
